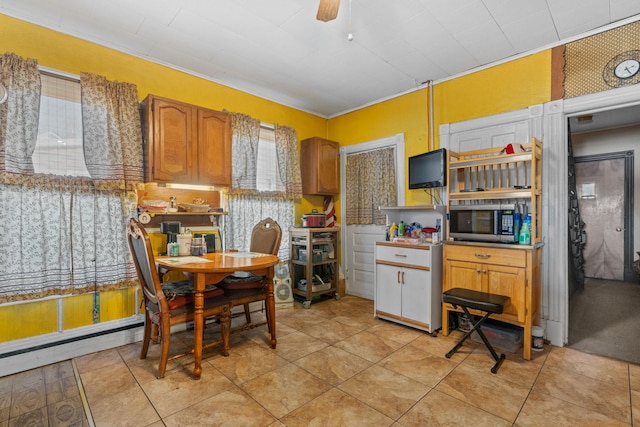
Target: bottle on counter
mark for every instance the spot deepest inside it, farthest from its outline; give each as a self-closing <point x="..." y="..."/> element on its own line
<point x="401" y="229"/>
<point x="393" y="231"/>
<point x="525" y="233"/>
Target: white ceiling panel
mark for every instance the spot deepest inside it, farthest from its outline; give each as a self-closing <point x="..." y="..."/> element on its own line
<point x="278" y="50"/>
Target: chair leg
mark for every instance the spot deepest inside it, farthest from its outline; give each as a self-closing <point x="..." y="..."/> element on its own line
<point x="146" y="336"/>
<point x="166" y="341"/>
<point x="247" y="313"/>
<point x="225" y="329"/>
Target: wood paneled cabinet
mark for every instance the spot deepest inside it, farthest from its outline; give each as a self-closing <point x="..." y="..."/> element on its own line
<point x="185" y="143"/>
<point x="320" y="166"/>
<point x="511" y="270"/>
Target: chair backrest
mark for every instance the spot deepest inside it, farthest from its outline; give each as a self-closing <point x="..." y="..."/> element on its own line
<point x="142" y="253"/>
<point x="265" y="237"/>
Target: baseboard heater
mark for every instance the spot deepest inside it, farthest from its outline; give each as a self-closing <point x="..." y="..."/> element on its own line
<point x="30" y="353"/>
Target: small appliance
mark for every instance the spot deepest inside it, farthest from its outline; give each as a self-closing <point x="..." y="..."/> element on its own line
<point x="172" y="230"/>
<point x="313" y="219"/>
<point x="485" y="223"/>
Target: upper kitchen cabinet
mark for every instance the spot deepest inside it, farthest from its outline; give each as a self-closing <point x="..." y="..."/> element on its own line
<point x="185" y="143"/>
<point x="320" y="166"/>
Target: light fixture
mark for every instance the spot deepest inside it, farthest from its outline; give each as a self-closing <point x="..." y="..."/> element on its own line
<point x="586" y="118"/>
<point x="189" y="186"/>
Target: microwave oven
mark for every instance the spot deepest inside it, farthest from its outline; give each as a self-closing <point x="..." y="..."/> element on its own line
<point x="485" y="223"/>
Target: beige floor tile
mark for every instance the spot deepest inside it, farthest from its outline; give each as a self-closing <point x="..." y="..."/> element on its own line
<point x="28" y="393"/>
<point x="57" y="371"/>
<point x="369" y="346"/>
<point x="62" y="389"/>
<point x="413" y="362"/>
<point x="248" y="362"/>
<point x="297" y="345"/>
<point x="600" y="396"/>
<point x="592" y="366"/>
<point x="439" y="409"/>
<point x="67" y="412"/>
<point x="229" y="408"/>
<point x="330" y="331"/>
<point x="402" y="334"/>
<point x="514" y="368"/>
<point x="285" y="389"/>
<point x="97" y="360"/>
<point x="5" y="397"/>
<point x="128" y="408"/>
<point x="545" y="410"/>
<point x="440" y="345"/>
<point x="333" y="364"/>
<point x="385" y="390"/>
<point x="101" y="383"/>
<point x="361" y="322"/>
<point x="480" y="389"/>
<point x="37" y="417"/>
<point x="336" y="408"/>
<point x="635" y="406"/>
<point x="634" y="374"/>
<point x="178" y="390"/>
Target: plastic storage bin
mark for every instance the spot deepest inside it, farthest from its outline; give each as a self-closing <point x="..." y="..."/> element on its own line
<point x="502" y="335"/>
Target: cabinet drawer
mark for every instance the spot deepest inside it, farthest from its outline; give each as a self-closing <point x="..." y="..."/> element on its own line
<point x="506" y="257"/>
<point x="416" y="257"/>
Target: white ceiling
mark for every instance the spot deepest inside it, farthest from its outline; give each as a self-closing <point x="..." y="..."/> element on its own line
<point x="277" y="49"/>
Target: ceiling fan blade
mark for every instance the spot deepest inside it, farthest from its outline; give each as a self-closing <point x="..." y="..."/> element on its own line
<point x="328" y="10"/>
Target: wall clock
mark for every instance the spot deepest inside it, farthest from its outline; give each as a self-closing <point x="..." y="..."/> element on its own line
<point x="623" y="69"/>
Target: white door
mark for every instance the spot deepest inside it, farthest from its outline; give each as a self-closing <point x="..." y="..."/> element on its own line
<point x="360" y="258"/>
<point x="358" y="241"/>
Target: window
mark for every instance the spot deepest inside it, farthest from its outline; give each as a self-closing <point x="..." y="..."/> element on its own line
<point x="267" y="171"/>
<point x="59" y="145"/>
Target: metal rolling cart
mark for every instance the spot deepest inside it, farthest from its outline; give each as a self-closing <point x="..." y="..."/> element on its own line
<point x="314" y="262"/>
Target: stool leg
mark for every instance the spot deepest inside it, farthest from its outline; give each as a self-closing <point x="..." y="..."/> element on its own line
<point x="477" y="326"/>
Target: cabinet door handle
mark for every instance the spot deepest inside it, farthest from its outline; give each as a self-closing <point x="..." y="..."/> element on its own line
<point x="400" y="255"/>
<point x="398" y="280"/>
<point x="482" y="256"/>
<point x="403" y="277"/>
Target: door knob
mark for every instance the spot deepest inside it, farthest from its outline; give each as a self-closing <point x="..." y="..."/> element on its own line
<point x="618" y="229"/>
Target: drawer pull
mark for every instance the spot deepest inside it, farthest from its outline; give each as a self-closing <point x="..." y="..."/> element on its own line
<point x="482" y="256"/>
<point x="400" y="255"/>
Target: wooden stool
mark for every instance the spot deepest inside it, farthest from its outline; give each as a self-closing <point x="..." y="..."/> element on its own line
<point x="483" y="301"/>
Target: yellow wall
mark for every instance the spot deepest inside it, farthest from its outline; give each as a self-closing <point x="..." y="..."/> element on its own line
<point x="505" y="87"/>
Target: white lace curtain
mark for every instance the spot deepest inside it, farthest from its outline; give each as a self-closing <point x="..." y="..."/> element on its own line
<point x="248" y="205"/>
<point x="66" y="234"/>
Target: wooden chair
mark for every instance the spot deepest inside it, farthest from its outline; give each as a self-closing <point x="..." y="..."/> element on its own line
<point x="265" y="238"/>
<point x="168" y="304"/>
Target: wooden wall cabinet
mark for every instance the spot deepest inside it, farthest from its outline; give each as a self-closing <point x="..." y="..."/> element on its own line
<point x="320" y="166"/>
<point x="185" y="143"/>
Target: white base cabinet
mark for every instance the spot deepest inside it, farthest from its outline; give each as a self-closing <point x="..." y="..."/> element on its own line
<point x="408" y="284"/>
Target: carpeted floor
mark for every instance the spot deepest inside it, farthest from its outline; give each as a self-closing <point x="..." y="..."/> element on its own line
<point x="604" y="319"/>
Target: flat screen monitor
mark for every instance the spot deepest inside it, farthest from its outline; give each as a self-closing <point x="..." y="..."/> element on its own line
<point x="428" y="170"/>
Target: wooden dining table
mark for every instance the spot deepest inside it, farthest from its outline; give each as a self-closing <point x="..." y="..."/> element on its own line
<point x="212" y="268"/>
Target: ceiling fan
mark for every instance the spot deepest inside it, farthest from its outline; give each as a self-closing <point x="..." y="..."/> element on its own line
<point x="327" y="10"/>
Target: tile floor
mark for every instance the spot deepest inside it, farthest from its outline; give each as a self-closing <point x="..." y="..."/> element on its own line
<point x="335" y="365"/>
